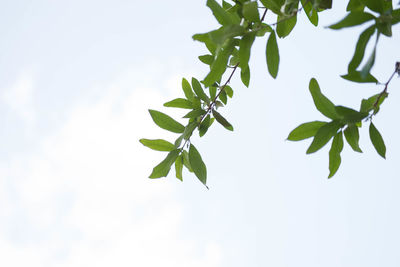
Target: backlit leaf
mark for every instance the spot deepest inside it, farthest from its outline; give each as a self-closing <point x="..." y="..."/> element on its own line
<point x="305" y="130"/>
<point x="157" y="144"/>
<point x="272" y="55"/>
<point x="352" y="136"/>
<point x="162" y="169"/>
<point x="222" y="120"/>
<point x="166" y="122"/>
<point x="197" y="164"/>
<point x="334" y="154"/>
<point x="323" y="135"/>
<point x="377" y="140"/>
<point x="322" y="103"/>
<point x="179" y="103"/>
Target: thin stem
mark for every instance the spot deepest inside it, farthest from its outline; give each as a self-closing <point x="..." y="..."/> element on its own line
<point x="384" y="91"/>
<point x="265" y="13"/>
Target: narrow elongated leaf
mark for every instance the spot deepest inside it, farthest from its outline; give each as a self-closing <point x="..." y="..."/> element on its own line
<point x="245" y="76"/>
<point x="352" y="136"/>
<point x="350" y="115"/>
<point x="205" y="124"/>
<point x="322" y="103"/>
<point x="355" y="76"/>
<point x="179" y="103"/>
<point x="223" y="97"/>
<point x="377" y="140"/>
<point x="334" y="154"/>
<point x="274" y="6"/>
<point x="186" y="161"/>
<point x="197" y="164"/>
<point x="179" y="167"/>
<point x="369" y="104"/>
<point x="323" y="135"/>
<point x="166" y="122"/>
<point x="245" y="47"/>
<point x="369" y="64"/>
<point x="355" y="5"/>
<point x="207" y="59"/>
<point x="189" y="130"/>
<point x="222" y="120"/>
<point x="198" y="89"/>
<point x="311" y="13"/>
<point x="305" y="130"/>
<point x="187" y="89"/>
<point x="157" y="144"/>
<point x="353" y="19"/>
<point x="226" y="32"/>
<point x="285" y="25"/>
<point x="219" y="66"/>
<point x="229" y="91"/>
<point x="272" y="55"/>
<point x="360" y="48"/>
<point x="223" y="17"/>
<point x="162" y="169"/>
<point x="250" y="11"/>
<point x="375" y="5"/>
<point x="195" y="113"/>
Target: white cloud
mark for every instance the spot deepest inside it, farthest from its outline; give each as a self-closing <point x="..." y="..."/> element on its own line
<point x="84" y="199"/>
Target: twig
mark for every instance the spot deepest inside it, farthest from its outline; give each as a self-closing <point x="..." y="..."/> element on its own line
<point x="384" y="91"/>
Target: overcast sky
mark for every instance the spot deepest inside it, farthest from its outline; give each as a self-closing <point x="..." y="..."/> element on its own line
<point x="76" y="80"/>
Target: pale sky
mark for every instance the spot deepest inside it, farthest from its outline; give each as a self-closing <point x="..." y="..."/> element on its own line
<point x="77" y="78"/>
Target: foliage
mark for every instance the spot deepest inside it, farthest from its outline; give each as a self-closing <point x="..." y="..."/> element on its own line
<point x="229" y="49"/>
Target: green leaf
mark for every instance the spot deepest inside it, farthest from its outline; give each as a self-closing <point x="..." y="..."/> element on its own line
<point x="305" y="130"/>
<point x="350" y="115"/>
<point x="205" y="124"/>
<point x="213" y="91"/>
<point x="369" y="64"/>
<point x="285" y="25"/>
<point x="377" y="140"/>
<point x="219" y="66"/>
<point x="334" y="154"/>
<point x="187" y="90"/>
<point x="189" y="130"/>
<point x="198" y="166"/>
<point x="157" y="144"/>
<point x="207" y="59"/>
<point x="245" y="47"/>
<point x="311" y="13"/>
<point x="222" y="120"/>
<point x="198" y="89"/>
<point x="322" y="103"/>
<point x="226" y="32"/>
<point x="195" y="113"/>
<point x="179" y="103"/>
<point x="272" y="55"/>
<point x="186" y="161"/>
<point x="223" y="97"/>
<point x="369" y="104"/>
<point x="179" y="167"/>
<point x="229" y="91"/>
<point x="353" y="19"/>
<point x="323" y="135"/>
<point x="223" y="17"/>
<point x="360" y="48"/>
<point x="166" y="122"/>
<point x="245" y="76"/>
<point x="162" y="169"/>
<point x="355" y="5"/>
<point x="178" y="141"/>
<point x="375" y="5"/>
<point x="274" y="5"/>
<point x="355" y="76"/>
<point x="250" y="11"/>
<point x="325" y="4"/>
<point x="352" y="136"/>
<point x="206" y="39"/>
